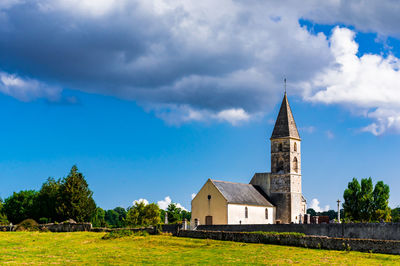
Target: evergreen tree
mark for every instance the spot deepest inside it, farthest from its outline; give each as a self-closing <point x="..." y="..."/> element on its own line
<point x="75" y="199"/>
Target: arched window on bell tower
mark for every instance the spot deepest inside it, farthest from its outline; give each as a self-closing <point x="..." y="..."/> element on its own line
<point x="295" y="146"/>
<point x="295" y="165"/>
<point x="280" y="147"/>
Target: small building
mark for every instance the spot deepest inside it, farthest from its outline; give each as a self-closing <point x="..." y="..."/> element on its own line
<point x="274" y="197"/>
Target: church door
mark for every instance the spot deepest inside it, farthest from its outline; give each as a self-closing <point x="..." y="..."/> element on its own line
<point x="208" y="220"/>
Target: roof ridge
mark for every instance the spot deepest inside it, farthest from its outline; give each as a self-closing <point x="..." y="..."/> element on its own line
<point x="213" y="180"/>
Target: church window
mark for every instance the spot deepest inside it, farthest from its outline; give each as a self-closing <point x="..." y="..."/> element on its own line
<point x="209" y="197"/>
<point x="295" y="165"/>
<point x="280" y="147"/>
<point x="196" y="222"/>
<point x="266" y="213"/>
<point x="295" y="146"/>
<point x="246" y="212"/>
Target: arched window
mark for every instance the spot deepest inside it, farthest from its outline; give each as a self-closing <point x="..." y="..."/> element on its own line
<point x="246" y="212"/>
<point x="295" y="165"/>
<point x="280" y="147"/>
<point x="266" y="213"/>
<point x="295" y="146"/>
<point x="280" y="166"/>
<point x="196" y="222"/>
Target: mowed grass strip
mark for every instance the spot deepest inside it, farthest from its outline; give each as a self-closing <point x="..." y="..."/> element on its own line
<point x="89" y="248"/>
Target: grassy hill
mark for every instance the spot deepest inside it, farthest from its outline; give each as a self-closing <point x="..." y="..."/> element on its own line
<point x="90" y="248"/>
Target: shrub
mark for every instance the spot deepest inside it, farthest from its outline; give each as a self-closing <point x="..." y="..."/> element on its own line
<point x="28" y="225"/>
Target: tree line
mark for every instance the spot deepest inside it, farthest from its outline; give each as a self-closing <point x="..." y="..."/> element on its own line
<point x="70" y="198"/>
<point x="364" y="202"/>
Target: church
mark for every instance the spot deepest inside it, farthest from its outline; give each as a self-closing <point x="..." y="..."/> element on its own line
<point x="269" y="198"/>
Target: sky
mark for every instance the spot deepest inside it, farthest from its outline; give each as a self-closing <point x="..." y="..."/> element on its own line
<point x="150" y="98"/>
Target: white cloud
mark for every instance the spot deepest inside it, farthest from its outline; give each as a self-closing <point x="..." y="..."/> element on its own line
<point x="145" y="201"/>
<point x="329" y="134"/>
<point x="26" y="89"/>
<point x="163" y="204"/>
<point x="368" y="85"/>
<point x="308" y="129"/>
<point x="195" y="61"/>
<point x="193" y="195"/>
<point x="315" y="205"/>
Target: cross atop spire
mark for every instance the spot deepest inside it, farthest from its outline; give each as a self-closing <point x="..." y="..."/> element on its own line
<point x="285" y="84"/>
<point x="285" y="126"/>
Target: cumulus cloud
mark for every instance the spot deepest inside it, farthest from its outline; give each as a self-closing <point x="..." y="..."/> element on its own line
<point x="184" y="60"/>
<point x="367" y="85"/>
<point x="145" y="201"/>
<point x="163" y="204"/>
<point x="315" y="205"/>
<point x="26" y="89"/>
<point x="195" y="61"/>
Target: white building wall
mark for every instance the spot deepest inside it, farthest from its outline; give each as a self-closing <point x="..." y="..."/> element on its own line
<point x="256" y="214"/>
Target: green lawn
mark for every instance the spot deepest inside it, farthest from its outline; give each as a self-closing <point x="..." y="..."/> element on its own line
<point x="89" y="248"/>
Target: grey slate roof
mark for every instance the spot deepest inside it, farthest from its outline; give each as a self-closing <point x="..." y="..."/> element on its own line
<point x="285" y="126"/>
<point x="238" y="193"/>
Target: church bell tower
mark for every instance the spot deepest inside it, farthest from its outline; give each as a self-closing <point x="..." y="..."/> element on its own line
<point x="285" y="179"/>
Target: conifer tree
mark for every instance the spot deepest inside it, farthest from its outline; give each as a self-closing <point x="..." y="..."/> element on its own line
<point x="75" y="198"/>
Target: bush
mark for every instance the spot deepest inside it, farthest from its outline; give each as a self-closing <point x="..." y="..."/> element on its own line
<point x="28" y="225"/>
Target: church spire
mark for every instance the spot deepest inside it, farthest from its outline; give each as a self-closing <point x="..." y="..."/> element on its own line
<point x="285" y="126"/>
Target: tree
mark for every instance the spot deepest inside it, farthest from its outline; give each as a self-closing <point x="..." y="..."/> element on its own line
<point x="381" y="208"/>
<point x="395" y="213"/>
<point x="98" y="219"/>
<point x="311" y="212"/>
<point x="366" y="203"/>
<point x="47" y="200"/>
<point x="174" y="213"/>
<point x="3" y="217"/>
<point x="121" y="216"/>
<point x="112" y="218"/>
<point x="366" y="200"/>
<point x="141" y="214"/>
<point x="136" y="214"/>
<point x="151" y="214"/>
<point x="20" y="206"/>
<point x="352" y="200"/>
<point x="75" y="199"/>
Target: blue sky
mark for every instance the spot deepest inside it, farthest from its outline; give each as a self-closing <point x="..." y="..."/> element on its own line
<point x="151" y="98"/>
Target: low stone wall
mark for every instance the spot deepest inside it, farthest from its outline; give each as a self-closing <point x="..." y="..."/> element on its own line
<point x="62" y="227"/>
<point x="66" y="227"/>
<point x="317" y="242"/>
<point x="382" y="231"/>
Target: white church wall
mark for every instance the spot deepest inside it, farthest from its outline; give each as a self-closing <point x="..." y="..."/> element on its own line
<point x="256" y="214"/>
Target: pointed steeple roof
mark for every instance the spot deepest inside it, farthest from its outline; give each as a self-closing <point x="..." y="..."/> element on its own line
<point x="285" y="126"/>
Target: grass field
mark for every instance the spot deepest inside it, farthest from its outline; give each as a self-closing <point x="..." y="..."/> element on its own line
<point x="89" y="248"/>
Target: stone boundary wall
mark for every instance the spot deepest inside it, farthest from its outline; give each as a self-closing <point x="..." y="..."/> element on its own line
<point x="317" y="242"/>
<point x="382" y="231"/>
<point x="62" y="227"/>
